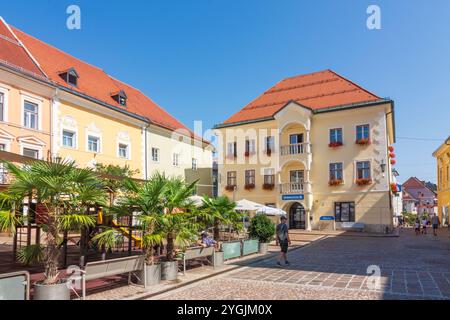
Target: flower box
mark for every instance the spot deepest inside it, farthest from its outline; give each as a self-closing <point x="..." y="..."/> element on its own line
<point x="230" y="188"/>
<point x="394" y="188"/>
<point x="335" y="182"/>
<point x="249" y="186"/>
<point x="363" y="182"/>
<point x="363" y="142"/>
<point x="269" y="152"/>
<point x="248" y="153"/>
<point x="335" y="144"/>
<point x="268" y="186"/>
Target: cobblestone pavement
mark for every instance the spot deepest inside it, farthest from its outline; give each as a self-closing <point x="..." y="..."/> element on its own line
<point x="411" y="267"/>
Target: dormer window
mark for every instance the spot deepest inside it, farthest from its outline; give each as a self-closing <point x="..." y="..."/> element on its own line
<point x="120" y="97"/>
<point x="70" y="76"/>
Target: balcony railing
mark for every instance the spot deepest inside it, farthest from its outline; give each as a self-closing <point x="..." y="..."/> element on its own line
<point x="5" y="177"/>
<point x="296" y="148"/>
<point x="288" y="188"/>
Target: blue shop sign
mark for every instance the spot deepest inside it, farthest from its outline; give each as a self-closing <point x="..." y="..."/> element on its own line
<point x="293" y="197"/>
<point x="326" y="218"/>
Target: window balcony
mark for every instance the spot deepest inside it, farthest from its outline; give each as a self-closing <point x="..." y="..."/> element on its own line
<point x="291" y="188"/>
<point x="294" y="149"/>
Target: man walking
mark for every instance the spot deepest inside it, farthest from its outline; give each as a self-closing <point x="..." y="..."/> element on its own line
<point x="435" y="222"/>
<point x="282" y="239"/>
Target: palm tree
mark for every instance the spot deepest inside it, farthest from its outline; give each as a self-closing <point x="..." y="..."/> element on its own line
<point x="178" y="224"/>
<point x="220" y="210"/>
<point x="66" y="192"/>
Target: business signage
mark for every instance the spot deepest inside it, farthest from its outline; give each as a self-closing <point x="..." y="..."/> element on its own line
<point x="293" y="197"/>
<point x="326" y="218"/>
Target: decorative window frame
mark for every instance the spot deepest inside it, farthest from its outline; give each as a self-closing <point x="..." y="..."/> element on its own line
<point x="69" y="124"/>
<point x="177" y="164"/>
<point x="93" y="131"/>
<point x="159" y="155"/>
<point x="6" y="139"/>
<point x="334" y="128"/>
<point x="363" y="124"/>
<point x="343" y="169"/>
<point x="5" y="90"/>
<point x="32" y="143"/>
<point x="123" y="138"/>
<point x="355" y="169"/>
<point x="33" y="99"/>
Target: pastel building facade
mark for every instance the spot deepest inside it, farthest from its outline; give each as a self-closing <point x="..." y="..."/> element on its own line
<point x="316" y="146"/>
<point x="85" y="115"/>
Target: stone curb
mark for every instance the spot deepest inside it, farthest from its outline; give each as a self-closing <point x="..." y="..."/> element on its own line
<point x="263" y="258"/>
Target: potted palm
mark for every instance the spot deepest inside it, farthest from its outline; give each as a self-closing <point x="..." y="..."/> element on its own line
<point x="263" y="229"/>
<point x="216" y="212"/>
<point x="66" y="193"/>
<point x="177" y="223"/>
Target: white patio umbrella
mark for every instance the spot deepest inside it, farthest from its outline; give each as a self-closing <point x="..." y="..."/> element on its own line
<point x="247" y="205"/>
<point x="271" y="211"/>
<point x="198" y="201"/>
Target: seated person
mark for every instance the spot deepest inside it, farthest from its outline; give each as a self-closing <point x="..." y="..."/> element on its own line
<point x="207" y="241"/>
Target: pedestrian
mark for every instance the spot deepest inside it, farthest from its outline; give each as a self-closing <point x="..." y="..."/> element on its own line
<point x="283" y="240"/>
<point x="417" y="226"/>
<point x="424" y="225"/>
<point x="435" y="222"/>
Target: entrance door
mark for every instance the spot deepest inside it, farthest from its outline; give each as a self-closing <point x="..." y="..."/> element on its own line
<point x="297" y="216"/>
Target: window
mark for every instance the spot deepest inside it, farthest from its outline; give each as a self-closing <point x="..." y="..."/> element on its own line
<point x="93" y="144"/>
<point x="2" y="106"/>
<point x="68" y="139"/>
<point x="194" y="164"/>
<point x="344" y="211"/>
<point x="296" y="176"/>
<point x="249" y="147"/>
<point x="30" y="117"/>
<point x="296" y="138"/>
<point x="362" y="132"/>
<point x="363" y="170"/>
<point x="31" y="153"/>
<point x="231" y="178"/>
<point x="2" y="147"/>
<point x="231" y="149"/>
<point x="155" y="154"/>
<point x="120" y="97"/>
<point x="70" y="76"/>
<point x="336" y="171"/>
<point x="176" y="159"/>
<point x="336" y="135"/>
<point x="123" y="150"/>
<point x="270" y="144"/>
<point x="269" y="176"/>
<point x="122" y="101"/>
<point x="249" y="177"/>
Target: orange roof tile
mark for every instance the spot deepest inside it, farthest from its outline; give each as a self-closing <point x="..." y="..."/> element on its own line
<point x="316" y="91"/>
<point x="96" y="83"/>
<point x="14" y="55"/>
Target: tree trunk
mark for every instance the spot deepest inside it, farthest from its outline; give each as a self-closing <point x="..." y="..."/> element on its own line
<point x="169" y="247"/>
<point x="216" y="229"/>
<point x="51" y="255"/>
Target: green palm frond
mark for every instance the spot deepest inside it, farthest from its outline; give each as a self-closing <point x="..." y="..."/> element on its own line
<point x="108" y="238"/>
<point x="8" y="221"/>
<point x="71" y="221"/>
<point x="31" y="254"/>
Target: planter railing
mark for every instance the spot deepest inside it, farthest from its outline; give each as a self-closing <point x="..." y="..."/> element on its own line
<point x="240" y="248"/>
<point x="15" y="286"/>
<point x="296" y="148"/>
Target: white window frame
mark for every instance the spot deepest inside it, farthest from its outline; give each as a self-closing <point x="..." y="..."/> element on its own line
<point x="363" y="124"/>
<point x="33" y="99"/>
<point x="334" y="128"/>
<point x="95" y="135"/>
<point x="38" y="148"/>
<point x="128" y="150"/>
<point x="157" y="153"/>
<point x="194" y="164"/>
<point x="355" y="171"/>
<point x="343" y="169"/>
<point x="177" y="157"/>
<point x="75" y="138"/>
<point x="5" y="92"/>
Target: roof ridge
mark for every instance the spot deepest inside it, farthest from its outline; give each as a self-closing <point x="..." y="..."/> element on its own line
<point x="306" y="74"/>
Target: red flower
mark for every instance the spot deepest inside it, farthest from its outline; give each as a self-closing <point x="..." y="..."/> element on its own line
<point x="229" y="187"/>
<point x="391" y="149"/>
<point x="269" y="152"/>
<point x="392" y="155"/>
<point x="249" y="186"/>
<point x="335" y="182"/>
<point x="335" y="144"/>
<point x="268" y="186"/>
<point x="363" y="141"/>
<point x="363" y="181"/>
<point x="393" y="162"/>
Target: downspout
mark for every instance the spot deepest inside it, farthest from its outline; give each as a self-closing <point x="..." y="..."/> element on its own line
<point x="52" y="128"/>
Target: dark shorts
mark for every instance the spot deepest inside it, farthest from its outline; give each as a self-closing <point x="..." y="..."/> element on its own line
<point x="284" y="246"/>
<point x="435" y="226"/>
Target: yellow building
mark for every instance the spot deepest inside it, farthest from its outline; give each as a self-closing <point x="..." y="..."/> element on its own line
<point x="316" y="146"/>
<point x="442" y="155"/>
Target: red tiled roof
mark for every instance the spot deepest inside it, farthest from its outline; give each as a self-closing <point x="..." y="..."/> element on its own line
<point x="316" y="91"/>
<point x="96" y="83"/>
<point x="13" y="54"/>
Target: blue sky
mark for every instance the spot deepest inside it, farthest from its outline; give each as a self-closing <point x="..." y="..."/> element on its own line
<point x="205" y="59"/>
